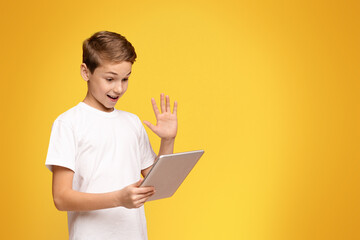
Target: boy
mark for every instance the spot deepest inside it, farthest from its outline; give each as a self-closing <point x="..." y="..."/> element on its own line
<point x="97" y="153"/>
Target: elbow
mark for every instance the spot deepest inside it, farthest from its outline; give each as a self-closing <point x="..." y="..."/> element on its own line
<point x="59" y="203"/>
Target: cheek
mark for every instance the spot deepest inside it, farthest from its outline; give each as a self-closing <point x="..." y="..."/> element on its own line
<point x="125" y="86"/>
<point x="104" y="87"/>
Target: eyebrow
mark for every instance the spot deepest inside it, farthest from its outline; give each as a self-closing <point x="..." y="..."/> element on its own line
<point x="114" y="73"/>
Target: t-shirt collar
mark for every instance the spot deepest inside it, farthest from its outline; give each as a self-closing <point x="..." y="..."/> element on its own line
<point x="97" y="111"/>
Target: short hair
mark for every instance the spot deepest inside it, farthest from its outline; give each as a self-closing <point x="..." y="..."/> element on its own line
<point x="107" y="46"/>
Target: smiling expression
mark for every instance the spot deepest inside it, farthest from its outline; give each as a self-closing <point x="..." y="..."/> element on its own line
<point x="106" y="84"/>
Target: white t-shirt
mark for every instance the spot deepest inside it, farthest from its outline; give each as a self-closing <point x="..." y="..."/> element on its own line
<point x="107" y="152"/>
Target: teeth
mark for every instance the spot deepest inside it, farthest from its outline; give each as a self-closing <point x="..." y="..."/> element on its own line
<point x="113" y="97"/>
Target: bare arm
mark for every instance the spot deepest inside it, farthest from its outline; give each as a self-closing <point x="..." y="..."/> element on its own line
<point x="67" y="199"/>
<point x="166" y="126"/>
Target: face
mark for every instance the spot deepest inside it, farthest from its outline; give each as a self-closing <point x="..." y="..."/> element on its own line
<point x="106" y="84"/>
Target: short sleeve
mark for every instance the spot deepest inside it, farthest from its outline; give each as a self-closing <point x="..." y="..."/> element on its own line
<point x="61" y="151"/>
<point x="147" y="153"/>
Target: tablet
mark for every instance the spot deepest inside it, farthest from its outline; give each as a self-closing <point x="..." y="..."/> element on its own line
<point x="169" y="171"/>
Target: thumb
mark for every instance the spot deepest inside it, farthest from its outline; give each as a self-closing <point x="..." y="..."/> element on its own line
<point x="138" y="183"/>
<point x="149" y="124"/>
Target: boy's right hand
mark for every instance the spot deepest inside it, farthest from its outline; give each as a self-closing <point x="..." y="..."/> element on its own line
<point x="134" y="196"/>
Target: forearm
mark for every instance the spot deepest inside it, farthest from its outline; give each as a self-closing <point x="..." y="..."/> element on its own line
<point x="70" y="200"/>
<point x="67" y="199"/>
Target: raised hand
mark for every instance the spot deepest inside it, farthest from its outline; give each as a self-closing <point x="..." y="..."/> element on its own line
<point x="166" y="122"/>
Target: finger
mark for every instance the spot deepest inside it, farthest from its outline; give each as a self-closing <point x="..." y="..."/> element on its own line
<point x="175" y="108"/>
<point x="140" y="195"/>
<point x="149" y="125"/>
<point x="145" y="190"/>
<point x="162" y="103"/>
<point x="144" y="198"/>
<point x="145" y="195"/>
<point x="168" y="104"/>
<point x="156" y="110"/>
<point x="141" y="203"/>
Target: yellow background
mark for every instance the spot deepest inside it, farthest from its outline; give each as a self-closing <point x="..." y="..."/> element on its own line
<point x="270" y="90"/>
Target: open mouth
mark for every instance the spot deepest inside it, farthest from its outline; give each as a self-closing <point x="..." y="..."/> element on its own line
<point x="113" y="98"/>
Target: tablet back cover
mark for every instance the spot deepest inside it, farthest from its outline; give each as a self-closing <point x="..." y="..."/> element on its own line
<point x="169" y="172"/>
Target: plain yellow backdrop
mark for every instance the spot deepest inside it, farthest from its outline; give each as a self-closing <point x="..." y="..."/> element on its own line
<point x="269" y="89"/>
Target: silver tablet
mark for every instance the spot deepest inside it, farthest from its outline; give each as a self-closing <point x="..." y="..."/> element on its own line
<point x="169" y="171"/>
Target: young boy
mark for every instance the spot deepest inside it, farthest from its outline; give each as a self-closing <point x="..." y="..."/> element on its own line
<point x="98" y="153"/>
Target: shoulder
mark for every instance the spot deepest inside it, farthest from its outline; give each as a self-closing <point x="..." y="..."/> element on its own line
<point x="70" y="117"/>
<point x="131" y="120"/>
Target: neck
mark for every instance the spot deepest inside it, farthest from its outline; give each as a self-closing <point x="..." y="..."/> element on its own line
<point x="91" y="101"/>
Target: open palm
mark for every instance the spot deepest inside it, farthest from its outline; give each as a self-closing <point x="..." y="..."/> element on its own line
<point x="166" y="122"/>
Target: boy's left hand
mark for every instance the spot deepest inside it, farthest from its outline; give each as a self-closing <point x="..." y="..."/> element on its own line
<point x="166" y="125"/>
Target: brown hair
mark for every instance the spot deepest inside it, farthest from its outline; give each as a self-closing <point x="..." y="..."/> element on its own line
<point x="107" y="46"/>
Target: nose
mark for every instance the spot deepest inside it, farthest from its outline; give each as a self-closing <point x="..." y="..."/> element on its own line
<point x="118" y="88"/>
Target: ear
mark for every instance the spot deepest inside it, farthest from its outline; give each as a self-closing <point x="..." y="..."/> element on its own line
<point x="85" y="72"/>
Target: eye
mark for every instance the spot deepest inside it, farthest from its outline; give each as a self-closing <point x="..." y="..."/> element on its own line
<point x="125" y="79"/>
<point x="109" y="79"/>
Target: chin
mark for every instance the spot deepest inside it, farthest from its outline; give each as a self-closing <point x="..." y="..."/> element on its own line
<point x="107" y="106"/>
